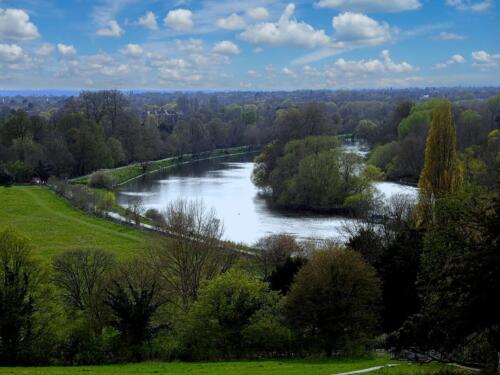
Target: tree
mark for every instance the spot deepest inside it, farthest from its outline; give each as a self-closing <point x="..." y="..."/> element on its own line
<point x="193" y="255"/>
<point x="460" y="278"/>
<point x="441" y="173"/>
<point x="333" y="304"/>
<point x="235" y="315"/>
<point x="134" y="298"/>
<point x="82" y="276"/>
<point x="17" y="305"/>
<point x="274" y="251"/>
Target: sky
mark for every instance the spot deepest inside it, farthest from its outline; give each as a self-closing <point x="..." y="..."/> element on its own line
<point x="248" y="44"/>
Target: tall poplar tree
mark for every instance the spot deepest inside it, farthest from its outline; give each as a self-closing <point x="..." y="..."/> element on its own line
<point x="442" y="172"/>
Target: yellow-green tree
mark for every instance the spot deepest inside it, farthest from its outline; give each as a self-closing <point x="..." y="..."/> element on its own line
<point x="442" y="172"/>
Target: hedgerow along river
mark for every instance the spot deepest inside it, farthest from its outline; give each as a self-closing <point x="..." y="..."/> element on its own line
<point x="225" y="185"/>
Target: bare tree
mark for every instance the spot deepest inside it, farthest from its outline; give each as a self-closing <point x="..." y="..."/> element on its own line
<point x="275" y="250"/>
<point x="196" y="252"/>
<point x="81" y="275"/>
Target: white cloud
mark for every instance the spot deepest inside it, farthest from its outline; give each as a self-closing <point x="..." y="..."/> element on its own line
<point x="455" y="59"/>
<point x="286" y="32"/>
<point x="190" y="45"/>
<point x="289" y="72"/>
<point x="232" y="22"/>
<point x="132" y="50"/>
<point x="226" y="47"/>
<point x="11" y="53"/>
<point x="15" y="25"/>
<point x="66" y="50"/>
<point x="449" y="36"/>
<point x="385" y="65"/>
<point x="470" y="5"/>
<point x="370" y="5"/>
<point x="113" y="30"/>
<point x="485" y="60"/>
<point x="252" y="73"/>
<point x="45" y="50"/>
<point x="148" y="20"/>
<point x="357" y="28"/>
<point x="179" y="19"/>
<point x="259" y="13"/>
<point x="458" y="59"/>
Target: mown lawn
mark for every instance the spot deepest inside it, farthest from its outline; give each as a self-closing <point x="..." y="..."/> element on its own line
<point x="285" y="367"/>
<point x="54" y="225"/>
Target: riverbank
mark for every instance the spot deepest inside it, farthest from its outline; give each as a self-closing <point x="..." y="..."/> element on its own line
<point x="121" y="175"/>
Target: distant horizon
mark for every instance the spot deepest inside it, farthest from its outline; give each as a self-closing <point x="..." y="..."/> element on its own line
<point x="71" y="92"/>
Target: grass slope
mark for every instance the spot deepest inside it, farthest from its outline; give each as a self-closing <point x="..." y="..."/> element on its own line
<point x="54" y="225"/>
<point x="285" y="367"/>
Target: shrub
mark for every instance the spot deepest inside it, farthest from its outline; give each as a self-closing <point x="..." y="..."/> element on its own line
<point x="100" y="180"/>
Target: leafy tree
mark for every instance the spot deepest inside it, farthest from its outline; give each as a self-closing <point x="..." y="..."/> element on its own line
<point x="333" y="304"/>
<point x="460" y="277"/>
<point x="17" y="304"/>
<point x="442" y="172"/>
<point x="235" y="315"/>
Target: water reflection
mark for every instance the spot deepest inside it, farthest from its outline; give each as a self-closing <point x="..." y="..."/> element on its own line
<point x="225" y="185"/>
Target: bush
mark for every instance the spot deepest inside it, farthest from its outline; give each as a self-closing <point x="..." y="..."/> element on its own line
<point x="100" y="180"/>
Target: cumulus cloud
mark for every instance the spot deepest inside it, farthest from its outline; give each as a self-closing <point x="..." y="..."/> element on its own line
<point x="370" y="5"/>
<point x="470" y="5"/>
<point x="11" y="53"/>
<point x="132" y="50"/>
<point x="113" y="30"/>
<point x="179" y="19"/>
<point x="232" y="22"/>
<point x="226" y="47"/>
<point x="286" y="32"/>
<point x="45" y="50"/>
<point x="455" y="59"/>
<point x="384" y="65"/>
<point x="15" y="25"/>
<point x="66" y="50"/>
<point x="148" y="20"/>
<point x="359" y="29"/>
<point x="485" y="60"/>
<point x="449" y="36"/>
<point x="259" y="13"/>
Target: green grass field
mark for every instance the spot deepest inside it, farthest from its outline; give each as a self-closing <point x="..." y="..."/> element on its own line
<point x="54" y="225"/>
<point x="285" y="367"/>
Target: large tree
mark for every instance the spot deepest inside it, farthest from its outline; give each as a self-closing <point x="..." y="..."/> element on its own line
<point x="442" y="172"/>
<point x="334" y="302"/>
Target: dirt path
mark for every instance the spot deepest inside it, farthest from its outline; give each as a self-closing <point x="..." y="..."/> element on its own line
<point x="371" y="369"/>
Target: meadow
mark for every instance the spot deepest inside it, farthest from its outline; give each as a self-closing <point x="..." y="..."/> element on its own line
<point x="264" y="367"/>
<point x="53" y="225"/>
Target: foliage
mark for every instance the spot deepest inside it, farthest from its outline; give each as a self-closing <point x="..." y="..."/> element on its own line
<point x="334" y="302"/>
<point x="234" y="315"/>
<point x="314" y="174"/>
<point x="100" y="180"/>
<point x="442" y="172"/>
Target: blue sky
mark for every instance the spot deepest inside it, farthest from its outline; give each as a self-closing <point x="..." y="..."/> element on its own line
<point x="248" y="44"/>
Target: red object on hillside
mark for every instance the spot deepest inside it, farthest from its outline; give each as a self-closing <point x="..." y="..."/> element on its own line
<point x="36" y="180"/>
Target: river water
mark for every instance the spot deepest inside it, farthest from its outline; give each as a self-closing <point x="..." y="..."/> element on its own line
<point x="224" y="184"/>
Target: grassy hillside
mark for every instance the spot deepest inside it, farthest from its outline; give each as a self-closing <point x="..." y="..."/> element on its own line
<point x="53" y="225"/>
<point x="285" y="367"/>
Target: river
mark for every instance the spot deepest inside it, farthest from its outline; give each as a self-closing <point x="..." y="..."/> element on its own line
<point x="225" y="185"/>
